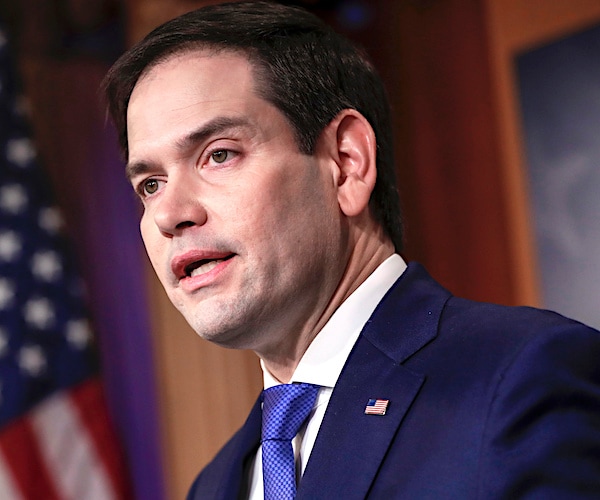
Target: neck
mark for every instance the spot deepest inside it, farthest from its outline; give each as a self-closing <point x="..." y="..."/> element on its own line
<point x="365" y="257"/>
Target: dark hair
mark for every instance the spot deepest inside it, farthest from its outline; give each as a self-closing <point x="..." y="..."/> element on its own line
<point x="304" y="68"/>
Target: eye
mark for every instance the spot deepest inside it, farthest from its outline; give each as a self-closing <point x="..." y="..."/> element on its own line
<point x="220" y="156"/>
<point x="150" y="186"/>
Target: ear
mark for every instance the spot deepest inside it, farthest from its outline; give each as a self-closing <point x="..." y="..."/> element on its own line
<point x="352" y="145"/>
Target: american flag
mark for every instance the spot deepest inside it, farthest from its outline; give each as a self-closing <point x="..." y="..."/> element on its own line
<point x="56" y="440"/>
<point x="376" y="406"/>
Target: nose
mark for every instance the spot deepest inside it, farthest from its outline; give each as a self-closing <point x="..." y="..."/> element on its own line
<point x="179" y="207"/>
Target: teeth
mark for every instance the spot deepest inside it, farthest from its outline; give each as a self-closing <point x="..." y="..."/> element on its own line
<point x="205" y="268"/>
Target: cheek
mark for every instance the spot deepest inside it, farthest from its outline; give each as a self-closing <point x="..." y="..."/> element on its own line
<point x="296" y="221"/>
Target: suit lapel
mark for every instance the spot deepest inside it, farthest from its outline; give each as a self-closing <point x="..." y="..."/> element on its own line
<point x="402" y="324"/>
<point x="362" y="439"/>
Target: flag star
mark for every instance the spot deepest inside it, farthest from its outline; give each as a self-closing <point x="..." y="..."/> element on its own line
<point x="7" y="293"/>
<point x="46" y="266"/>
<point x="79" y="333"/>
<point x="50" y="220"/>
<point x="32" y="360"/>
<point x="10" y="246"/>
<point x="13" y="198"/>
<point x="39" y="313"/>
<point x="3" y="342"/>
<point x="20" y="151"/>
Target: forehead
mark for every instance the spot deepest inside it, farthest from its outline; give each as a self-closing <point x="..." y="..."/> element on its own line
<point x="190" y="87"/>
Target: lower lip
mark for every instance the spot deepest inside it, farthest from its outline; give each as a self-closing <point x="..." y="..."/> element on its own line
<point x="193" y="283"/>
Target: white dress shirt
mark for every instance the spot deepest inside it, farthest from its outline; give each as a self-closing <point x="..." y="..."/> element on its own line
<point x="324" y="359"/>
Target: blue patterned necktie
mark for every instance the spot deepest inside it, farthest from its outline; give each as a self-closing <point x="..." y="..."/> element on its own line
<point x="285" y="408"/>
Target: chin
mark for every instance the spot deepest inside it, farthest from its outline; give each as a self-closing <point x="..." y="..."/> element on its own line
<point x="221" y="334"/>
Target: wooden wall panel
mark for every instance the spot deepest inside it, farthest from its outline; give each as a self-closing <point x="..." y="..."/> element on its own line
<point x="449" y="164"/>
<point x="517" y="25"/>
<point x="459" y="139"/>
<point x="514" y="26"/>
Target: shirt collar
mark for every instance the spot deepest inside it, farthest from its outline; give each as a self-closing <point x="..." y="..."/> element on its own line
<point x="325" y="357"/>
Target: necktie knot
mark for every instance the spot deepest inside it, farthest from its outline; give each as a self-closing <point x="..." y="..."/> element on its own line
<point x="285" y="408"/>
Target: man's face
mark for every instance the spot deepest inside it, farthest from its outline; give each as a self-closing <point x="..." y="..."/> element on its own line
<point x="243" y="230"/>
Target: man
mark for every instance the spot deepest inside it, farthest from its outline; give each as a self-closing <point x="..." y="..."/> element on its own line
<point x="259" y="143"/>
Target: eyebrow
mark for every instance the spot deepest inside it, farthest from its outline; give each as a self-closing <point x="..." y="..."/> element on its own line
<point x="216" y="126"/>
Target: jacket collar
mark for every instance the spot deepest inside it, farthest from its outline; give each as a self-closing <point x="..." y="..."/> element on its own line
<point x="403" y="323"/>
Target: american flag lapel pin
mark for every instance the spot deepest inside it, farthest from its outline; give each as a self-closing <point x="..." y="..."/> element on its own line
<point x="376" y="406"/>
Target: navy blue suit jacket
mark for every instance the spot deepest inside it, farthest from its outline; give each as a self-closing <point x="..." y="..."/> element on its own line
<point x="485" y="402"/>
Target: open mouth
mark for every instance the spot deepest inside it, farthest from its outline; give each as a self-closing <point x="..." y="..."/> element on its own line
<point x="203" y="266"/>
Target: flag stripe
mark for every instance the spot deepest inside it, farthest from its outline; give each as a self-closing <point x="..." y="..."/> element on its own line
<point x="24" y="460"/>
<point x="90" y="402"/>
<point x="67" y="449"/>
<point x="8" y="488"/>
